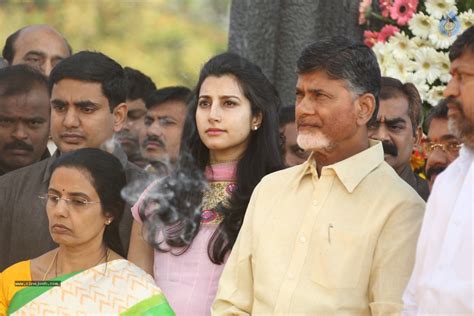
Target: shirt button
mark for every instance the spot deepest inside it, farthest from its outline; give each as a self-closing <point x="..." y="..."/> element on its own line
<point x="303" y="239"/>
<point x="315" y="203"/>
<point x="291" y="276"/>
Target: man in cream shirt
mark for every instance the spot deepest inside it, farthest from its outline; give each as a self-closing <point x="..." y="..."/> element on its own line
<point x="337" y="234"/>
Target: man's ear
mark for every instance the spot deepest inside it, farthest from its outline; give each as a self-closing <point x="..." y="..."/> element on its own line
<point x="365" y="107"/>
<point x="120" y="116"/>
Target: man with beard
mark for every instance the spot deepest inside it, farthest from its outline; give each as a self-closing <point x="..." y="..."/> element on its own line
<point x="139" y="87"/>
<point x="87" y="107"/>
<point x="24" y="117"/>
<point x="335" y="235"/>
<point x="398" y="127"/>
<point x="164" y="121"/>
<point x="441" y="146"/>
<point x="442" y="282"/>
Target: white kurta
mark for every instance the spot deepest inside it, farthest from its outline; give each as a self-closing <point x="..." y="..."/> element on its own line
<point x="442" y="279"/>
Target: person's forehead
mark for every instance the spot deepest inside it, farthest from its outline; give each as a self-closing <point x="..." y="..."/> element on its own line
<point x="41" y="39"/>
<point x="466" y="60"/>
<point x="438" y="129"/>
<point x="71" y="179"/>
<point x="226" y="85"/>
<point x="396" y="107"/>
<point x="72" y="89"/>
<point x="317" y="79"/>
<point x="33" y="103"/>
<point x="168" y="108"/>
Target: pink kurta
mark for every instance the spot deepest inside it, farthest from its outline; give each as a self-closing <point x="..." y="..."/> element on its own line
<point x="189" y="281"/>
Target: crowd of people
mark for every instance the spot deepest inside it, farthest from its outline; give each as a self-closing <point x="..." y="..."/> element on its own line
<point x="118" y="196"/>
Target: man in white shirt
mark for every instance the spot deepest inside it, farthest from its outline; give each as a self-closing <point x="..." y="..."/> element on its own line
<point x="442" y="280"/>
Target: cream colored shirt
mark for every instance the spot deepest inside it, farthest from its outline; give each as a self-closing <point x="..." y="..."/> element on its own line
<point x="339" y="244"/>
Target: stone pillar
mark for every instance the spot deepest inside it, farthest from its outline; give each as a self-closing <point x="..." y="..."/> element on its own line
<point x="272" y="33"/>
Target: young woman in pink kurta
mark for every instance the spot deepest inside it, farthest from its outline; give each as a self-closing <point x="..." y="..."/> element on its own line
<point x="231" y="134"/>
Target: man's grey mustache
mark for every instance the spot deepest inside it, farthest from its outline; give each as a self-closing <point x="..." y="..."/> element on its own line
<point x="154" y="139"/>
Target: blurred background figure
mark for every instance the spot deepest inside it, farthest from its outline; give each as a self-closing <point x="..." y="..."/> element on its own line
<point x="164" y="121"/>
<point x="398" y="127"/>
<point x="139" y="87"/>
<point x="292" y="153"/>
<point x="39" y="46"/>
<point x="84" y="209"/>
<point x="441" y="146"/>
<point x="24" y="117"/>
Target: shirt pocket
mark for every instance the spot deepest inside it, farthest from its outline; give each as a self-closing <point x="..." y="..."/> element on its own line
<point x="339" y="258"/>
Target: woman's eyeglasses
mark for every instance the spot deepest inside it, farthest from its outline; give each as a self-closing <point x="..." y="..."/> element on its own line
<point x="75" y="202"/>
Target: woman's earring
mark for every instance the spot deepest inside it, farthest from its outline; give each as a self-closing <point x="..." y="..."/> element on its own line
<point x="255" y="127"/>
<point x="107" y="222"/>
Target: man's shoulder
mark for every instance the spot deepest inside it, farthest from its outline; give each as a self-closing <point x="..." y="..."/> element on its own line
<point x="389" y="185"/>
<point x="28" y="173"/>
<point x="133" y="172"/>
<point x="451" y="173"/>
<point x="284" y="176"/>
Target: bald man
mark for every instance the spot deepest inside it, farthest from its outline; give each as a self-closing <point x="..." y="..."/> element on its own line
<point x="40" y="46"/>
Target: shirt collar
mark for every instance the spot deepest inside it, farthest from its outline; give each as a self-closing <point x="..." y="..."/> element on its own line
<point x="47" y="173"/>
<point x="350" y="171"/>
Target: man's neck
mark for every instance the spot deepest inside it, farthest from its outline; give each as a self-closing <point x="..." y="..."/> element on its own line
<point x="406" y="173"/>
<point x="339" y="153"/>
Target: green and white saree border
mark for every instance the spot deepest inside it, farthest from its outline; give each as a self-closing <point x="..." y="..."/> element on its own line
<point x="114" y="288"/>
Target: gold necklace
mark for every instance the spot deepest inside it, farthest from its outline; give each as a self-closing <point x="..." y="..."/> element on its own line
<point x="55" y="262"/>
<point x="51" y="264"/>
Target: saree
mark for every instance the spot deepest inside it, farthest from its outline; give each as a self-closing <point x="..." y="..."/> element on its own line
<point x="113" y="288"/>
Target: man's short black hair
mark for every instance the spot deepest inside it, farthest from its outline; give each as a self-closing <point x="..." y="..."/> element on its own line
<point x="20" y="79"/>
<point x="286" y="115"/>
<point x="157" y="97"/>
<point x="344" y="59"/>
<point x="8" y="52"/>
<point x="392" y="88"/>
<point x="439" y="111"/>
<point x="139" y="85"/>
<point x="93" y="67"/>
<point x="463" y="42"/>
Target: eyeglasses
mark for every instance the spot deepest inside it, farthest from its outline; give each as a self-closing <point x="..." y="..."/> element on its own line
<point x="449" y="148"/>
<point x="75" y="202"/>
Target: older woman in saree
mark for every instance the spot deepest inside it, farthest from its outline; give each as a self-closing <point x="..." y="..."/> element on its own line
<point x="86" y="274"/>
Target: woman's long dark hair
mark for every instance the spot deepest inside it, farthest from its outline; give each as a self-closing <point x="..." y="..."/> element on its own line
<point x="260" y="158"/>
<point x="108" y="178"/>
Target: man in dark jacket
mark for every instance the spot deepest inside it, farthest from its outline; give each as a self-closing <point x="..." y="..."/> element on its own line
<point x="398" y="126"/>
<point x="87" y="107"/>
